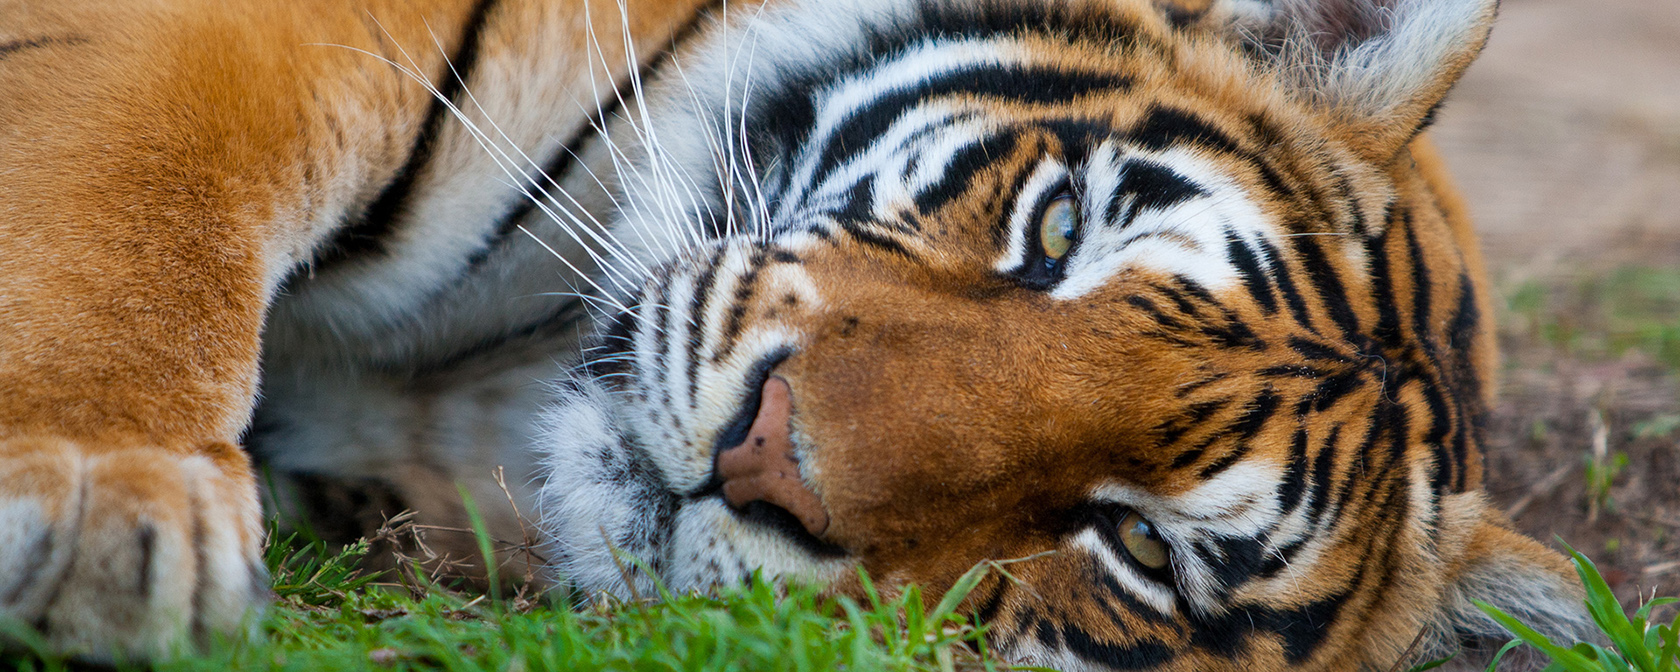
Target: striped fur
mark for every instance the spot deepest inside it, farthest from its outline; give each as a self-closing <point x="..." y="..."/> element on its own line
<point x="1270" y="340"/>
<point x="463" y="233"/>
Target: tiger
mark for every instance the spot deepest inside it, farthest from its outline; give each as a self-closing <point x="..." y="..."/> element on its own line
<point x="1170" y="305"/>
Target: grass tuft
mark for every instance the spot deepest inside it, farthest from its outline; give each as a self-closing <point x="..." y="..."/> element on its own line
<point x="1637" y="643"/>
<point x="329" y="615"/>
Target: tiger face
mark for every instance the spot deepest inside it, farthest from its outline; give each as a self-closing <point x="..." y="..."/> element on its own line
<point x="1168" y="302"/>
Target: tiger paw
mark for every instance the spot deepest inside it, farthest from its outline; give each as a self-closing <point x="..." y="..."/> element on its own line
<point x="127" y="554"/>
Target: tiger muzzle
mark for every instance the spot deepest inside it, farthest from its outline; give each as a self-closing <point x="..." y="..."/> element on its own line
<point x="764" y="468"/>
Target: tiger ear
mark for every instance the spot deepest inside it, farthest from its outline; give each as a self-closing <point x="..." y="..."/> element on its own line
<point x="1518" y="575"/>
<point x="1380" y="67"/>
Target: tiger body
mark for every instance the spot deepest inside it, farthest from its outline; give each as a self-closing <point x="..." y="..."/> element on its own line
<point x="1230" y="409"/>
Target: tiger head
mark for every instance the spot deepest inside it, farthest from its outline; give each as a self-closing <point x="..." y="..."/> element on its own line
<point x="1168" y="301"/>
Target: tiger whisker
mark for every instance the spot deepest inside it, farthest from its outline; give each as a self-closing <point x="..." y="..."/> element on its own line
<point x="619" y="159"/>
<point x="412" y="73"/>
<point x="503" y="161"/>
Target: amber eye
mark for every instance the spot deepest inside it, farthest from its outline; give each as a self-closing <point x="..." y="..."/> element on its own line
<point x="1057" y="228"/>
<point x="1141" y="540"/>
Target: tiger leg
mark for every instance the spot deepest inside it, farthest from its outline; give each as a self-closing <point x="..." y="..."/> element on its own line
<point x="164" y="166"/>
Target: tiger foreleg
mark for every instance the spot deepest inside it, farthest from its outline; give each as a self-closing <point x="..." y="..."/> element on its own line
<point x="164" y="167"/>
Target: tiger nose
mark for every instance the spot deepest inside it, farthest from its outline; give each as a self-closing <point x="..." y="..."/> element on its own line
<point x="764" y="469"/>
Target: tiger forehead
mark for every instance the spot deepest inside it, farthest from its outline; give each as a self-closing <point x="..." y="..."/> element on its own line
<point x="1082" y="95"/>
<point x="1015" y="60"/>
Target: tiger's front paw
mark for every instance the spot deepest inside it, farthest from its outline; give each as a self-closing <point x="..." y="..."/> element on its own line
<point x="123" y="554"/>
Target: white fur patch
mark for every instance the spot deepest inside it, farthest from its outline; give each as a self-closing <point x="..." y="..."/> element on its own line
<point x="1157" y="596"/>
<point x="1187" y="239"/>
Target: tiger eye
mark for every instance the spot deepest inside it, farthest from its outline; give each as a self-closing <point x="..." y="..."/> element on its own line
<point x="1056" y="228"/>
<point x="1141" y="540"/>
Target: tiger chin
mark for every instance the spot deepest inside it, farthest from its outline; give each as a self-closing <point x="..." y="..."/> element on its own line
<point x="1173" y="302"/>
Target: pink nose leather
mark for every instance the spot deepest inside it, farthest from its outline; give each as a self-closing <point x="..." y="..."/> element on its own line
<point x="763" y="468"/>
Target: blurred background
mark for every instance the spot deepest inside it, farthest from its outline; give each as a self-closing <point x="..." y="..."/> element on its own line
<point x="1565" y="137"/>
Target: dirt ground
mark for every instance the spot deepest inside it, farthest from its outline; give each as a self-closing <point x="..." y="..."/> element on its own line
<point x="1566" y="139"/>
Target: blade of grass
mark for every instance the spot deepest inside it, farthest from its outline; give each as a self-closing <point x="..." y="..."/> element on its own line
<point x="486" y="547"/>
<point x="1570" y="659"/>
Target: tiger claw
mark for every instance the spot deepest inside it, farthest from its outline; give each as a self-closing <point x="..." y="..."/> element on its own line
<point x="127" y="554"/>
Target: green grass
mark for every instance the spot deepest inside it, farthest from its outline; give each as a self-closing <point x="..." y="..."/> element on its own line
<point x="1606" y="315"/>
<point x="1637" y="643"/>
<point x="329" y="616"/>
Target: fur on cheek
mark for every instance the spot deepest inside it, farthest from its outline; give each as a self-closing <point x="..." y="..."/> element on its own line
<point x="601" y="495"/>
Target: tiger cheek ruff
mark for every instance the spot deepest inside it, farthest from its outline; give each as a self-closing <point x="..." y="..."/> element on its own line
<point x="1172" y="302"/>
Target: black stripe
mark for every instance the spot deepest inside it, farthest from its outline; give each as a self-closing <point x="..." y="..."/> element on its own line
<point x="1163" y="127"/>
<point x="1440" y="424"/>
<point x="1302" y="628"/>
<point x="147" y="540"/>
<point x="1259" y="285"/>
<point x="1233" y="560"/>
<point x="1376" y="427"/>
<point x="560" y="165"/>
<point x="745" y="287"/>
<point x="1047" y="634"/>
<point x="617" y="341"/>
<point x="860" y="202"/>
<point x="783" y="121"/>
<point x="697" y="314"/>
<point x="1195" y="289"/>
<point x="672" y="314"/>
<point x="1323" y="476"/>
<point x="863" y="234"/>
<point x="1245" y="427"/>
<point x="1152" y="187"/>
<point x="9" y="48"/>
<point x="657" y="300"/>
<point x="1001" y="233"/>
<point x="1294" y="484"/>
<point x="993" y="602"/>
<point x="1286" y="286"/>
<point x="1421" y="288"/>
<point x="1466" y="324"/>
<point x="1025" y="85"/>
<point x="1329" y="286"/>
<point x="1136" y="655"/>
<point x="1268" y="135"/>
<point x="553" y="173"/>
<point x="369" y="234"/>
<point x="1387" y="331"/>
<point x="1161" y="318"/>
<point x="1233" y="333"/>
<point x="1169" y="432"/>
<point x="570" y="314"/>
<point x="1331" y="389"/>
<point x="1293" y="371"/>
<point x="1077" y="136"/>
<point x="964" y="165"/>
<point x="1134" y="609"/>
<point x="1317" y="352"/>
<point x="1392" y="421"/>
<point x="1344" y="184"/>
